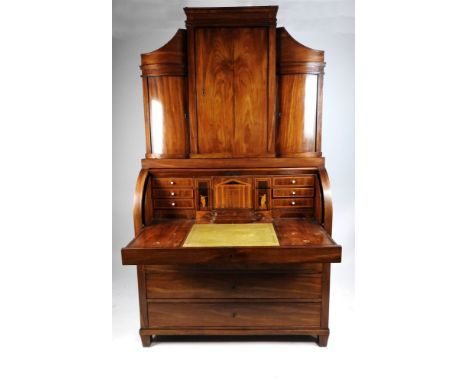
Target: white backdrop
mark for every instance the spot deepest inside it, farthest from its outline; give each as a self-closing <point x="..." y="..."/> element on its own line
<point x="410" y="310"/>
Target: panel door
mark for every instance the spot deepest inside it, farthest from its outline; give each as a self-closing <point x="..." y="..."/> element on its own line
<point x="250" y="91"/>
<point x="214" y="90"/>
<point x="231" y="90"/>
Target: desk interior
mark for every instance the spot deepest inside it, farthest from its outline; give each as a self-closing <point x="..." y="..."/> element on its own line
<point x="289" y="232"/>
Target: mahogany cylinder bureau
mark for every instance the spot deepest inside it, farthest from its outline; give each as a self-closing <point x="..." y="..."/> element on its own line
<point x="232" y="208"/>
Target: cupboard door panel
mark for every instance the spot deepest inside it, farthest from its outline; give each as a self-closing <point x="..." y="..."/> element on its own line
<point x="298" y="106"/>
<point x="250" y="91"/>
<point x="167" y="107"/>
<point x="214" y="83"/>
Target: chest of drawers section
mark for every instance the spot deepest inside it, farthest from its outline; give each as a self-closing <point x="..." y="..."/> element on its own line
<point x="194" y="300"/>
<point x="293" y="194"/>
<point x="173" y="197"/>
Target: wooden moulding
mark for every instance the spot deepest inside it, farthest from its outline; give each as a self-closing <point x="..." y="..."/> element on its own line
<point x="169" y="60"/>
<point x="232" y="255"/>
<point x="295" y="58"/>
<point x="233" y="163"/>
<point x="233" y="331"/>
<point x="231" y="16"/>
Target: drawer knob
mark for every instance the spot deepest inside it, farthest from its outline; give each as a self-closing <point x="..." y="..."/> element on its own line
<point x="234" y="314"/>
<point x="172" y="193"/>
<point x="173" y="204"/>
<point x="293" y="203"/>
<point x="293" y="181"/>
<point x="233" y="286"/>
<point x="293" y="193"/>
<point x="172" y="182"/>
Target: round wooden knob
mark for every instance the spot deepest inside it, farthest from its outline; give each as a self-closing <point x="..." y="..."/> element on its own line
<point x="172" y="193"/>
<point x="172" y="182"/>
<point x="293" y="181"/>
<point x="234" y="314"/>
<point x="173" y="204"/>
<point x="293" y="203"/>
<point x="293" y="193"/>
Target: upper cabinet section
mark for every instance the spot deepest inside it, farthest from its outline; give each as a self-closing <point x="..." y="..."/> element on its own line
<point x="232" y="81"/>
<point x="300" y="93"/>
<point x="164" y="73"/>
<point x="232" y="85"/>
<point x="231" y="96"/>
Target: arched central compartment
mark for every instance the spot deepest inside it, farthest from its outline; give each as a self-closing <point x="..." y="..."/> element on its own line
<point x="232" y="192"/>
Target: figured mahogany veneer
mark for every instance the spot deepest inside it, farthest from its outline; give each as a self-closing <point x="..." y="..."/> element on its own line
<point x="234" y="314"/>
<point x="247" y="285"/>
<point x="233" y="124"/>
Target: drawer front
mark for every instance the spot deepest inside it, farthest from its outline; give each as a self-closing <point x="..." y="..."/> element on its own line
<point x="173" y="204"/>
<point x="248" y="314"/>
<point x="293" y="192"/>
<point x="172" y="182"/>
<point x="173" y="193"/>
<point x="293" y="181"/>
<point x="293" y="203"/>
<point x="267" y="268"/>
<point x="233" y="285"/>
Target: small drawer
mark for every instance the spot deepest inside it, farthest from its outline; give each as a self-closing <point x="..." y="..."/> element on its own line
<point x="233" y="285"/>
<point x="172" y="182"/>
<point x="293" y="181"/>
<point x="293" y="192"/>
<point x="164" y="193"/>
<point x="237" y="314"/>
<point x="173" y="203"/>
<point x="293" y="203"/>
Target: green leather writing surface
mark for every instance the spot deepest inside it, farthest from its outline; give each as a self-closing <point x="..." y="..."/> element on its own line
<point x="232" y="235"/>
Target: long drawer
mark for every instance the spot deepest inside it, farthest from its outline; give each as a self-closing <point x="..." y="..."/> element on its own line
<point x="293" y="192"/>
<point x="293" y="203"/>
<point x="233" y="285"/>
<point x="233" y="314"/>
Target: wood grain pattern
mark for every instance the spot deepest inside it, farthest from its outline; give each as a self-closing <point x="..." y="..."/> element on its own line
<point x="234" y="163"/>
<point x="234" y="285"/>
<point x="231" y="16"/>
<point x="215" y="90"/>
<point x="218" y="152"/>
<point x="167" y="108"/>
<point x="232" y="192"/>
<point x="284" y="268"/>
<point x="298" y="120"/>
<point x="292" y="203"/>
<point x="293" y="181"/>
<point x="139" y="201"/>
<point x="172" y="193"/>
<point x="293" y="192"/>
<point x="250" y="47"/>
<point x="235" y="314"/>
<point x="170" y="59"/>
<point x="171" y="183"/>
<point x="327" y="200"/>
<point x="290" y="232"/>
<point x="173" y="203"/>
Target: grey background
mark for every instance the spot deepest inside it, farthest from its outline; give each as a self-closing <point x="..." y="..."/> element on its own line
<point x="140" y="26"/>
